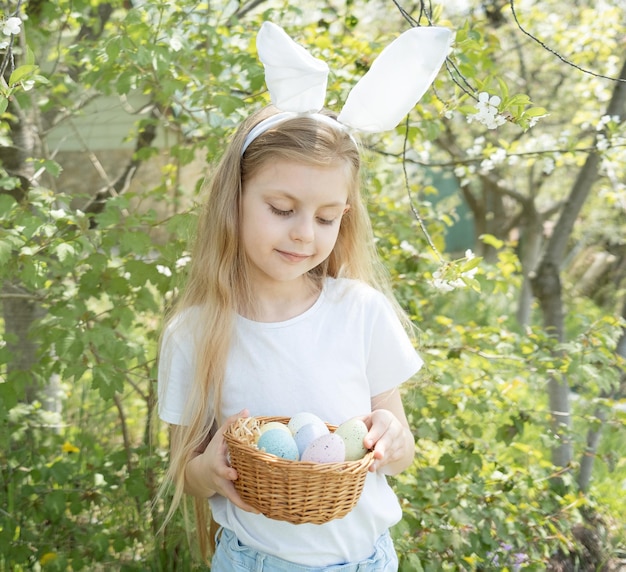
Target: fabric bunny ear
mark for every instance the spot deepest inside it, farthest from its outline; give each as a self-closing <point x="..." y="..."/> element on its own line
<point x="296" y="80"/>
<point x="397" y="80"/>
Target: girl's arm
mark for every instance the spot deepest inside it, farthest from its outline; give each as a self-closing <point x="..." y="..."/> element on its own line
<point x="208" y="472"/>
<point x="389" y="434"/>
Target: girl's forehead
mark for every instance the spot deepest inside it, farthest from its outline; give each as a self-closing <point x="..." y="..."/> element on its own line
<point x="295" y="180"/>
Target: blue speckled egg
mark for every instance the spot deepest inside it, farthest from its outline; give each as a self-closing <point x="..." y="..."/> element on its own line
<point x="280" y="443"/>
<point x="308" y="433"/>
<point x="326" y="449"/>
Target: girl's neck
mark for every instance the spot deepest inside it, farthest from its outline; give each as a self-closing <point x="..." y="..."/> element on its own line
<point x="279" y="303"/>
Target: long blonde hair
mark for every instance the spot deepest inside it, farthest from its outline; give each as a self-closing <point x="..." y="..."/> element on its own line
<point x="217" y="286"/>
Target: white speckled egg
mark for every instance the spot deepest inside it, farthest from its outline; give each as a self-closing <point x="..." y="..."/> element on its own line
<point x="273" y="425"/>
<point x="325" y="449"/>
<point x="280" y="443"/>
<point x="299" y="420"/>
<point x="353" y="432"/>
<point x="308" y="433"/>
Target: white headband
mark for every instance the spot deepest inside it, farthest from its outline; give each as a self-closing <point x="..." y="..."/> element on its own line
<point x="395" y="82"/>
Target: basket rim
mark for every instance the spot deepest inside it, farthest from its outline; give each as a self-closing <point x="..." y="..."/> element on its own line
<point x="343" y="466"/>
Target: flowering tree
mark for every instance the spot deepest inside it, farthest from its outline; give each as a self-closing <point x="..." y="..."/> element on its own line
<point x="525" y="172"/>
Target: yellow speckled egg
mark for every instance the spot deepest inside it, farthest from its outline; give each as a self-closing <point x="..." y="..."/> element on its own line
<point x="272" y="425"/>
<point x="353" y="432"/>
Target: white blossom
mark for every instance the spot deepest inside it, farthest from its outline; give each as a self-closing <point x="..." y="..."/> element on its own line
<point x="449" y="278"/>
<point x="548" y="165"/>
<point x="486" y="166"/>
<point x="477" y="148"/>
<point x="164" y="270"/>
<point x="459" y="171"/>
<point x="176" y="43"/>
<point x="498" y="156"/>
<point x="12" y="26"/>
<point x="441" y="284"/>
<point x="602" y="143"/>
<point x="487" y="111"/>
<point x="183" y="261"/>
<point x="408" y="247"/>
<point x="534" y="120"/>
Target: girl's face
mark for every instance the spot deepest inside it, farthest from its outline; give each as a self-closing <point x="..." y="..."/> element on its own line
<point x="290" y="219"/>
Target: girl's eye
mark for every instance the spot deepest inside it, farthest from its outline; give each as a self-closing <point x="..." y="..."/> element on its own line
<point x="325" y="221"/>
<point x="280" y="212"/>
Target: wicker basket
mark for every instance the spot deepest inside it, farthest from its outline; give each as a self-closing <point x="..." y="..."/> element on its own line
<point x="293" y="491"/>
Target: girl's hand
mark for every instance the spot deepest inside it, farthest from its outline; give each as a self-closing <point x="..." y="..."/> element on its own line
<point x="211" y="470"/>
<point x="389" y="434"/>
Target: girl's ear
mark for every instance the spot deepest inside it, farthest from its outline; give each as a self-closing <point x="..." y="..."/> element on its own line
<point x="345" y="210"/>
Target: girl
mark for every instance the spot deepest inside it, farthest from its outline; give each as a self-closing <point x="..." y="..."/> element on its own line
<point x="285" y="311"/>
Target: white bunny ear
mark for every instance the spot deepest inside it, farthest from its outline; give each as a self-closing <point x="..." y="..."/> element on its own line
<point x="397" y="80"/>
<point x="296" y="80"/>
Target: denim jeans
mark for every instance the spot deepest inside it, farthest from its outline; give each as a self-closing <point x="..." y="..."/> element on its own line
<point x="231" y="556"/>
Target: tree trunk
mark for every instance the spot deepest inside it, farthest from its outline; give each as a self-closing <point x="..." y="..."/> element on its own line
<point x="530" y="244"/>
<point x="19" y="306"/>
<point x="593" y="436"/>
<point x="546" y="283"/>
<point x="20" y="310"/>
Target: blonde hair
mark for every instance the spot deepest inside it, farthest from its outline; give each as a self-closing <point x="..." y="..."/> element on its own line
<point x="217" y="286"/>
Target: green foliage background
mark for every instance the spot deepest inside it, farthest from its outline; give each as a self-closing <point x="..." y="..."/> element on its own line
<point x="77" y="486"/>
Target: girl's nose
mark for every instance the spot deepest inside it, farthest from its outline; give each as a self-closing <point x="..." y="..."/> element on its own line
<point x="303" y="229"/>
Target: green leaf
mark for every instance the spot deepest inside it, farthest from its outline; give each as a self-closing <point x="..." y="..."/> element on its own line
<point x="227" y="103"/>
<point x="8" y="397"/>
<point x="54" y="502"/>
<point x="450" y="465"/>
<point x="21" y="73"/>
<point x="411" y="563"/>
<point x="107" y="382"/>
<point x="491" y="240"/>
<point x="5" y="251"/>
<point x="535" y="112"/>
<point x="52" y="167"/>
<point x="470" y="264"/>
<point x="65" y="251"/>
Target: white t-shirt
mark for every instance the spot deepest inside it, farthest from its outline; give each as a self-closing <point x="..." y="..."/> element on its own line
<point x="330" y="360"/>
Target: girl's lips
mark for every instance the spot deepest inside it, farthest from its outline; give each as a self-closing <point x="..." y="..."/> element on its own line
<point x="293" y="256"/>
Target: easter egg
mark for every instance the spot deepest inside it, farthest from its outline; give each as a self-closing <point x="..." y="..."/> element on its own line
<point x="325" y="449"/>
<point x="353" y="432"/>
<point x="280" y="443"/>
<point x="299" y="420"/>
<point x="308" y="433"/>
<point x="273" y="425"/>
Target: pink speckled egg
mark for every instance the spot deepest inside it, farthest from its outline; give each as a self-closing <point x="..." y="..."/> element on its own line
<point x="325" y="449"/>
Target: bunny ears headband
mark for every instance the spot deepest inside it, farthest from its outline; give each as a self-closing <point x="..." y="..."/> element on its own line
<point x="395" y="82"/>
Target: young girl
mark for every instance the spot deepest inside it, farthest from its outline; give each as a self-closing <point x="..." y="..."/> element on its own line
<point x="286" y="310"/>
<point x="283" y="313"/>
